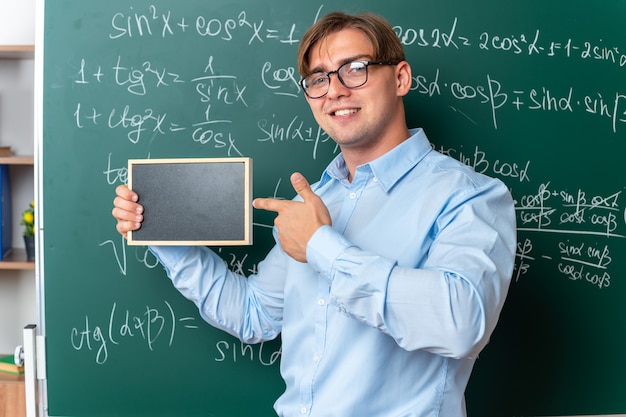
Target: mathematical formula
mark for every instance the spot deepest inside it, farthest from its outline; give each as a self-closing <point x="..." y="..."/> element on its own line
<point x="150" y="324"/>
<point x="154" y="21"/>
<point x="576" y="214"/>
<point x="492" y="94"/>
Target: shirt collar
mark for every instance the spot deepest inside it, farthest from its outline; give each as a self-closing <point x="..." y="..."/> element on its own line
<point x="388" y="168"/>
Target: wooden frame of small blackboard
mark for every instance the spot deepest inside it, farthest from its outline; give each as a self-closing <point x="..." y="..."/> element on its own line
<point x="193" y="201"/>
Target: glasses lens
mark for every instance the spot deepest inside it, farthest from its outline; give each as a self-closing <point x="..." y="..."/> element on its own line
<point x="353" y="74"/>
<point x="316" y="85"/>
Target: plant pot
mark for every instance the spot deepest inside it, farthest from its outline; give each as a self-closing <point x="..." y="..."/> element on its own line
<point x="29" y="243"/>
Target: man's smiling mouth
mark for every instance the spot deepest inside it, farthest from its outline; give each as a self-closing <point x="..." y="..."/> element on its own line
<point x="345" y="112"/>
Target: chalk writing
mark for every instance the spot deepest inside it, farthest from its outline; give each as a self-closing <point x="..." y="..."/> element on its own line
<point x="296" y="130"/>
<point x="434" y="38"/>
<point x="581" y="261"/>
<point x="532" y="43"/>
<point x="150" y="325"/>
<point x="155" y="22"/>
<point x="523" y="256"/>
<point x="223" y="88"/>
<point x="237" y="265"/>
<point x="213" y="91"/>
<point x="115" y="175"/>
<point x="276" y="80"/>
<point x="578" y="212"/>
<point x="577" y="261"/>
<point x="480" y="161"/>
<point x="142" y="255"/>
<point x="491" y="92"/>
<point x="234" y="351"/>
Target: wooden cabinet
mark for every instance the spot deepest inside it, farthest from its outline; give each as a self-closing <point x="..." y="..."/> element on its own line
<point x="12" y="395"/>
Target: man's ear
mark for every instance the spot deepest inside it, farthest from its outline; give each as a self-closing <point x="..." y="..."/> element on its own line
<point x="404" y="78"/>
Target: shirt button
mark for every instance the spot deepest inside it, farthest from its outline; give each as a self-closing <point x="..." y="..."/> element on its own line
<point x="375" y="179"/>
<point x="352" y="196"/>
<point x="321" y="301"/>
<point x="303" y="410"/>
<point x="316" y="358"/>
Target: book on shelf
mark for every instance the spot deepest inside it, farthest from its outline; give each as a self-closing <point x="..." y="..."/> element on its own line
<point x="7" y="364"/>
<point x="5" y="212"/>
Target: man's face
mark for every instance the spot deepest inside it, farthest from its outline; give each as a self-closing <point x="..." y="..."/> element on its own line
<point x="355" y="118"/>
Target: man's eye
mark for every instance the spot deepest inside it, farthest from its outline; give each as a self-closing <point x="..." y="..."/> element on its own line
<point x="316" y="80"/>
<point x="356" y="68"/>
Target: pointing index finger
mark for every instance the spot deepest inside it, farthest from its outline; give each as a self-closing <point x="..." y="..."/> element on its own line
<point x="270" y="204"/>
<point x="300" y="185"/>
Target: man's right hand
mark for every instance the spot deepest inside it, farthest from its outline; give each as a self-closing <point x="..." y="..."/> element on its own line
<point x="126" y="210"/>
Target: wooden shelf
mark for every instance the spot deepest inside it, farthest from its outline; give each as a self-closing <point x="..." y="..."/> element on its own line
<point x="16" y="259"/>
<point x="8" y="378"/>
<point x="17" y="51"/>
<point x="17" y="160"/>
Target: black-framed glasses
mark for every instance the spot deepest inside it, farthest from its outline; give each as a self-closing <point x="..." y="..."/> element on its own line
<point x="352" y="74"/>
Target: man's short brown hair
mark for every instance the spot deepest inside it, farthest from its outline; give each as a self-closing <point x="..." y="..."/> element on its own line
<point x="387" y="46"/>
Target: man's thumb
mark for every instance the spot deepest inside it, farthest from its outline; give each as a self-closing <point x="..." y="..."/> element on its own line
<point x="300" y="184"/>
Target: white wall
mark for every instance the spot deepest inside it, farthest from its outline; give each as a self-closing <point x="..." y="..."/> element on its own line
<point x="17" y="22"/>
<point x="17" y="288"/>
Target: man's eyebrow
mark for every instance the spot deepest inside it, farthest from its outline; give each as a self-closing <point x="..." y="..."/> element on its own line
<point x="361" y="57"/>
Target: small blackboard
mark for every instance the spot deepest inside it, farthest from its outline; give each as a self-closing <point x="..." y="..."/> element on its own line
<point x="193" y="201"/>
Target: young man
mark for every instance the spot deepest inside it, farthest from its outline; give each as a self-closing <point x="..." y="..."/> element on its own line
<point x="389" y="273"/>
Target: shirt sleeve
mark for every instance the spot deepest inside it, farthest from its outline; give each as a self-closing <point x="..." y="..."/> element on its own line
<point x="247" y="308"/>
<point x="451" y="303"/>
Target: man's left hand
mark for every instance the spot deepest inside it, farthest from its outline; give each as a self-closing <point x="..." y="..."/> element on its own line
<point x="297" y="220"/>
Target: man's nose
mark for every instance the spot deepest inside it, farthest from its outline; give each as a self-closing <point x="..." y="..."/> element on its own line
<point x="335" y="87"/>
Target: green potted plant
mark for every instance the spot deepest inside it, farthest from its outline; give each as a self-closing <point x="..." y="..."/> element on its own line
<point x="28" y="221"/>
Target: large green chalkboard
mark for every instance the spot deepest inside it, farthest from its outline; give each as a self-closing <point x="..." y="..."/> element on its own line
<point x="531" y="92"/>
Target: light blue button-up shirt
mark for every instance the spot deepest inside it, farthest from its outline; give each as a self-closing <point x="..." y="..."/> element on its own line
<point x="398" y="296"/>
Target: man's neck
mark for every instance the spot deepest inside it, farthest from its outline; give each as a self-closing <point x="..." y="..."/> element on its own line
<point x="357" y="156"/>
